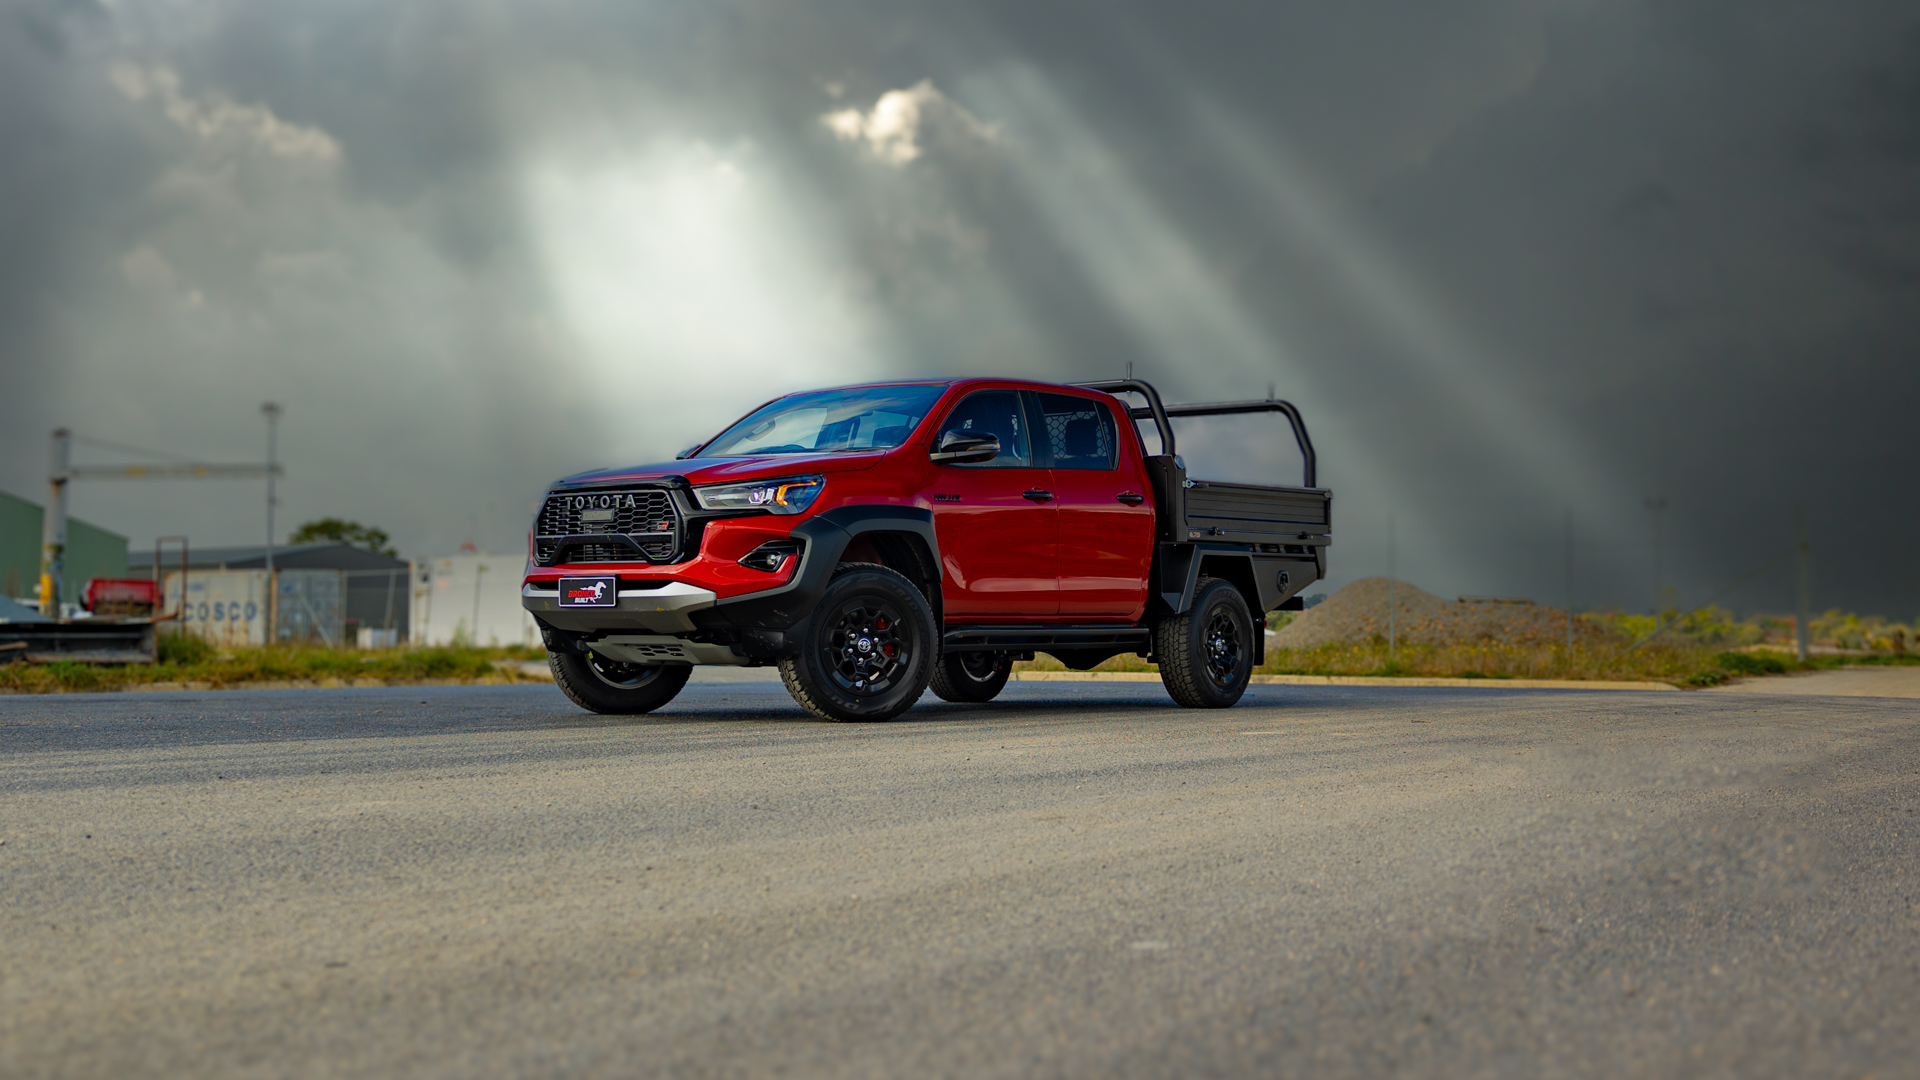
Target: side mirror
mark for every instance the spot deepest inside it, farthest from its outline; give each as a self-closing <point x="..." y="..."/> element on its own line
<point x="688" y="452"/>
<point x="958" y="447"/>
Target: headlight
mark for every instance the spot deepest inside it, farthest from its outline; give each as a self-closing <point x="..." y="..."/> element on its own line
<point x="789" y="496"/>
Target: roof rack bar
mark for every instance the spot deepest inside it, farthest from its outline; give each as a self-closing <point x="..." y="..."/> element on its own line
<point x="1227" y="408"/>
<point x="1154" y="410"/>
<point x="1161" y="415"/>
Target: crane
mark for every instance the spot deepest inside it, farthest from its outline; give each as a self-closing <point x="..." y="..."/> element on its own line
<point x="53" y="523"/>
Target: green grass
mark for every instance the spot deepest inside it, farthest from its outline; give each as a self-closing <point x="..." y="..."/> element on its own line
<point x="186" y="659"/>
<point x="1680" y="663"/>
<point x="1673" y="663"/>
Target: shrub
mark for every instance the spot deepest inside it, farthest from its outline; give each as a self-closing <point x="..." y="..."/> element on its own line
<point x="1740" y="663"/>
<point x="183" y="648"/>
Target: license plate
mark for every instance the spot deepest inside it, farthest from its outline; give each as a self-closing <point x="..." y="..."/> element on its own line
<point x="589" y="591"/>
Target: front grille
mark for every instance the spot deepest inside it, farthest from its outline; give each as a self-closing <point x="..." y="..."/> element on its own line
<point x="646" y="516"/>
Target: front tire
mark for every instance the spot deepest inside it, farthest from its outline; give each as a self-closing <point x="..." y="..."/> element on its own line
<point x="1206" y="655"/>
<point x="971" y="677"/>
<point x="601" y="685"/>
<point x="868" y="650"/>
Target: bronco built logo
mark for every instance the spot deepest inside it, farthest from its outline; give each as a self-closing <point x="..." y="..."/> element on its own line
<point x="589" y="592"/>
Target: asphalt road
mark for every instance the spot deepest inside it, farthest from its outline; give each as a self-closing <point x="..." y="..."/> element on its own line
<point x="1079" y="880"/>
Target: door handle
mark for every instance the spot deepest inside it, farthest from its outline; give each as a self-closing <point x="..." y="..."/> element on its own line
<point x="1037" y="495"/>
<point x="1131" y="498"/>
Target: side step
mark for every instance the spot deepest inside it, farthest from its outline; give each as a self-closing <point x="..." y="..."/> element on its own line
<point x="1023" y="638"/>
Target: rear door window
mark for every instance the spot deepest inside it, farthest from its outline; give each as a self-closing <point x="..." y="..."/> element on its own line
<point x="1080" y="432"/>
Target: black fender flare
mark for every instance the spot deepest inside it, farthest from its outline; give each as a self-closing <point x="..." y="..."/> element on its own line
<point x="767" y="617"/>
<point x="1264" y="579"/>
<point x="1274" y="579"/>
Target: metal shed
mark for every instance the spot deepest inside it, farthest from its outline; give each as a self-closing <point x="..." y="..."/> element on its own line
<point x="91" y="551"/>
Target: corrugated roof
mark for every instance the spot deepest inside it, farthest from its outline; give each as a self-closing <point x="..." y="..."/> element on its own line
<point x="291" y="557"/>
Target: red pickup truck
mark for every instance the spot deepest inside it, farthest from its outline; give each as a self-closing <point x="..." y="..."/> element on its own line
<point x="876" y="540"/>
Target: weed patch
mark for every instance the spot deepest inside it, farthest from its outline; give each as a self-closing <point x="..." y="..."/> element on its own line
<point x="184" y="659"/>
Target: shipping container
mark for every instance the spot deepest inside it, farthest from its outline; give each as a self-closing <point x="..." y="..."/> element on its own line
<point x="230" y="608"/>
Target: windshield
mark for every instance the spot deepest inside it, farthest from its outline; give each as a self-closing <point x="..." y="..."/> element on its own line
<point x="874" y="418"/>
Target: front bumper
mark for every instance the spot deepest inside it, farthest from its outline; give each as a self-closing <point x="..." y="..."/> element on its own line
<point x="757" y="614"/>
<point x="667" y="609"/>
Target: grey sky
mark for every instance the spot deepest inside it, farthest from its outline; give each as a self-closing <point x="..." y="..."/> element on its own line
<point x="1514" y="259"/>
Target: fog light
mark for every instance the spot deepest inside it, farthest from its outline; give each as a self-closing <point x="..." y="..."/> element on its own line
<point x="770" y="555"/>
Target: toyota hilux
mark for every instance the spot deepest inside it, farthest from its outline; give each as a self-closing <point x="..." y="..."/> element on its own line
<point x="874" y="541"/>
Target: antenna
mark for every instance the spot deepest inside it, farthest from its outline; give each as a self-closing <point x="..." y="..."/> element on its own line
<point x="1129" y="371"/>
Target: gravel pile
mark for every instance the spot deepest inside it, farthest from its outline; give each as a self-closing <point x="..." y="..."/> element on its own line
<point x="1359" y="611"/>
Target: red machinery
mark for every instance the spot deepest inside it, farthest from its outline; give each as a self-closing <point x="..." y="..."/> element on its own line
<point x="121" y="596"/>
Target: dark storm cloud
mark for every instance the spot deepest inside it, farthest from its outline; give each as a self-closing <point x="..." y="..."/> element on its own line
<point x="1514" y="258"/>
<point x="1666" y="227"/>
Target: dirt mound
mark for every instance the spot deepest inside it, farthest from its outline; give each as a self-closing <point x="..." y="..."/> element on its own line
<point x="1358" y="613"/>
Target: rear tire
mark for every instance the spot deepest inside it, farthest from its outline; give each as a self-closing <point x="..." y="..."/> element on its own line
<point x="601" y="685"/>
<point x="1206" y="655"/>
<point x="971" y="677"/>
<point x="868" y="650"/>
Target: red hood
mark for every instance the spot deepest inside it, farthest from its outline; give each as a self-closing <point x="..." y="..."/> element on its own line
<point x="723" y="470"/>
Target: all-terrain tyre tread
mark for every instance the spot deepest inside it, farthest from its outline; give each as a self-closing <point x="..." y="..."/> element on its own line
<point x="1180" y="664"/>
<point x="1176" y="662"/>
<point x="790" y="675"/>
<point x="804" y="696"/>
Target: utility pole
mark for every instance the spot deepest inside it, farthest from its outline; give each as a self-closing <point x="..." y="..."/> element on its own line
<point x="1657" y="505"/>
<point x="1803" y="552"/>
<point x="53" y="525"/>
<point x="479" y="568"/>
<point x="272" y="412"/>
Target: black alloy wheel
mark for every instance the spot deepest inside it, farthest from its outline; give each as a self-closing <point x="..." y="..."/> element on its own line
<point x="614" y="687"/>
<point x="971" y="677"/>
<point x="1225" y="647"/>
<point x="1206" y="654"/>
<point x="863" y="652"/>
<point x="868" y="649"/>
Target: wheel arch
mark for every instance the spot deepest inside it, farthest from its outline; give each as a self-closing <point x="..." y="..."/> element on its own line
<point x="910" y="554"/>
<point x="902" y="537"/>
<point x="1237" y="570"/>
